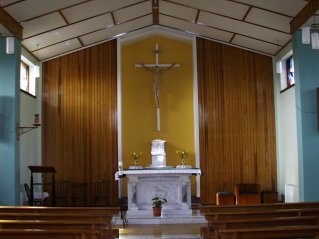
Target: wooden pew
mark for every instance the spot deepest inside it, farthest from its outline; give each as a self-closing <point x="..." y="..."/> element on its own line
<point x="262" y="214"/>
<point x="87" y="210"/>
<point x="104" y="228"/>
<point x="215" y="227"/>
<point x="281" y="232"/>
<point x="56" y="219"/>
<point x="258" y="217"/>
<point x="50" y="224"/>
<point x="270" y="206"/>
<point x="57" y="216"/>
<point x="60" y="215"/>
<point x="49" y="234"/>
<point x="258" y="222"/>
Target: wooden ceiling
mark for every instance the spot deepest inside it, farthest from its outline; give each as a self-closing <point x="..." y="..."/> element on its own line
<point x="55" y="27"/>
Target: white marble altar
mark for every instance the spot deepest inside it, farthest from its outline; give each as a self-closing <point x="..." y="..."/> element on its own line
<point x="170" y="183"/>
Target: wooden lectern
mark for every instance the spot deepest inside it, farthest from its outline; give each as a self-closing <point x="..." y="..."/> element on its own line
<point x="42" y="169"/>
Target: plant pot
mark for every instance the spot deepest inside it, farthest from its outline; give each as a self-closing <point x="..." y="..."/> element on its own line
<point x="157" y="211"/>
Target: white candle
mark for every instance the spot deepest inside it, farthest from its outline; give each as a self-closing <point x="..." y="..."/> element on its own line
<point x="158" y="120"/>
<point x="156" y="54"/>
<point x="120" y="166"/>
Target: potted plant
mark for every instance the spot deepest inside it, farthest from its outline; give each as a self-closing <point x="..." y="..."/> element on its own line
<point x="157" y="205"/>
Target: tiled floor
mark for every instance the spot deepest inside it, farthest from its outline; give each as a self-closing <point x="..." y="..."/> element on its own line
<point x="171" y="231"/>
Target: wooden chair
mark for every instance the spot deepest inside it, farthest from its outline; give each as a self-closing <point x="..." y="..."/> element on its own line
<point x="62" y="193"/>
<point x="225" y="198"/>
<point x="269" y="197"/>
<point x="100" y="192"/>
<point x="79" y="194"/>
<point x="36" y="201"/>
<point x="247" y="193"/>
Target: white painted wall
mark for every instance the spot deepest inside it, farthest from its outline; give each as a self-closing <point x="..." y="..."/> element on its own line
<point x="30" y="142"/>
<point x="288" y="153"/>
<point x="286" y="130"/>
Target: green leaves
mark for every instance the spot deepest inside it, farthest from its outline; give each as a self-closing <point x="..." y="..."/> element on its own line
<point x="158" y="201"/>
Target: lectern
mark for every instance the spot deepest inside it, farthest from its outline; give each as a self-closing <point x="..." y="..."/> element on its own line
<point x="42" y="169"/>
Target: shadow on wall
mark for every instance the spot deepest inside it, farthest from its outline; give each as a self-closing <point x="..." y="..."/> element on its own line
<point x="6" y="121"/>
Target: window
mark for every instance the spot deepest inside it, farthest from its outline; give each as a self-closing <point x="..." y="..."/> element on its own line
<point x="27" y="77"/>
<point x="287" y="75"/>
<point x="24" y="77"/>
<point x="290" y="71"/>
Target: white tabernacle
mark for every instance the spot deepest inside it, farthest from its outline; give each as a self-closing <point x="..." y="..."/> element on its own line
<point x="170" y="183"/>
<point x="158" y="153"/>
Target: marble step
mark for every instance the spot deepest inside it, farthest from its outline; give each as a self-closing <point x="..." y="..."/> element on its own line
<point x="171" y="231"/>
<point x="194" y="218"/>
<point x="161" y="236"/>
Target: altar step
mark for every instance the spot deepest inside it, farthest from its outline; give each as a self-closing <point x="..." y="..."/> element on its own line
<point x="170" y="219"/>
<point x="172" y="231"/>
<point x="167" y="218"/>
<point x="161" y="236"/>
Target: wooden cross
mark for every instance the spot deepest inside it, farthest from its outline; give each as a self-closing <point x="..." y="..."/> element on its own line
<point x="157" y="68"/>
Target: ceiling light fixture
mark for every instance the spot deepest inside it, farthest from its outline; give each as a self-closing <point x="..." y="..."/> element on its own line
<point x="311" y="35"/>
<point x="10" y="45"/>
<point x="155" y="5"/>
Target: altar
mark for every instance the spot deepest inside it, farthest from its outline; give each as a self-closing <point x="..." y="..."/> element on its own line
<point x="174" y="184"/>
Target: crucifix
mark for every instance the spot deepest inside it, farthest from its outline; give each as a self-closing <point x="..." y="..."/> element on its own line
<point x="157" y="69"/>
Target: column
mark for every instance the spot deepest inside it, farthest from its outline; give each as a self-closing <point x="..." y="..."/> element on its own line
<point x="307" y="81"/>
<point x="9" y="117"/>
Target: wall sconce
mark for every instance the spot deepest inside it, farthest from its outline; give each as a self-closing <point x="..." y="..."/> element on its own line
<point x="22" y="130"/>
<point x="10" y="45"/>
<point x="311" y="35"/>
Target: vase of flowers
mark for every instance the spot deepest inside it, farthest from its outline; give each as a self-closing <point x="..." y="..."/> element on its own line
<point x="157" y="205"/>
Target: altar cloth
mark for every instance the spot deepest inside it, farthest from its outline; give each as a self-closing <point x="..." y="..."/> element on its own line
<point x="164" y="170"/>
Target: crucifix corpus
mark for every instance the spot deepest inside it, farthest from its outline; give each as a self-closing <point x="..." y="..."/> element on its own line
<point x="157" y="69"/>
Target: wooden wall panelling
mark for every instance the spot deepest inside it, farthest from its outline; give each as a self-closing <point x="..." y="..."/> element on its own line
<point x="236" y="118"/>
<point x="80" y="115"/>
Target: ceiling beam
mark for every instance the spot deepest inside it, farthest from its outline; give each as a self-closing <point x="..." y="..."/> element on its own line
<point x="155" y="7"/>
<point x="307" y="12"/>
<point x="12" y="25"/>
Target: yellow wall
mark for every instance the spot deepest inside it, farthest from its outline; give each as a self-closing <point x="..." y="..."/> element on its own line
<point x="176" y="100"/>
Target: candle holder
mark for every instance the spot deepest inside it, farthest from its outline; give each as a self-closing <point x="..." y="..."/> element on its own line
<point x="183" y="154"/>
<point x="136" y="156"/>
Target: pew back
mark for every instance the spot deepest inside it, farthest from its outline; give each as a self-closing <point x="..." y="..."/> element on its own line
<point x="89" y="210"/>
<point x="270" y="206"/>
<point x="48" y="234"/>
<point x="262" y="214"/>
<point x="259" y="217"/>
<point x="57" y="217"/>
<point x="68" y="222"/>
<point x="271" y="232"/>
